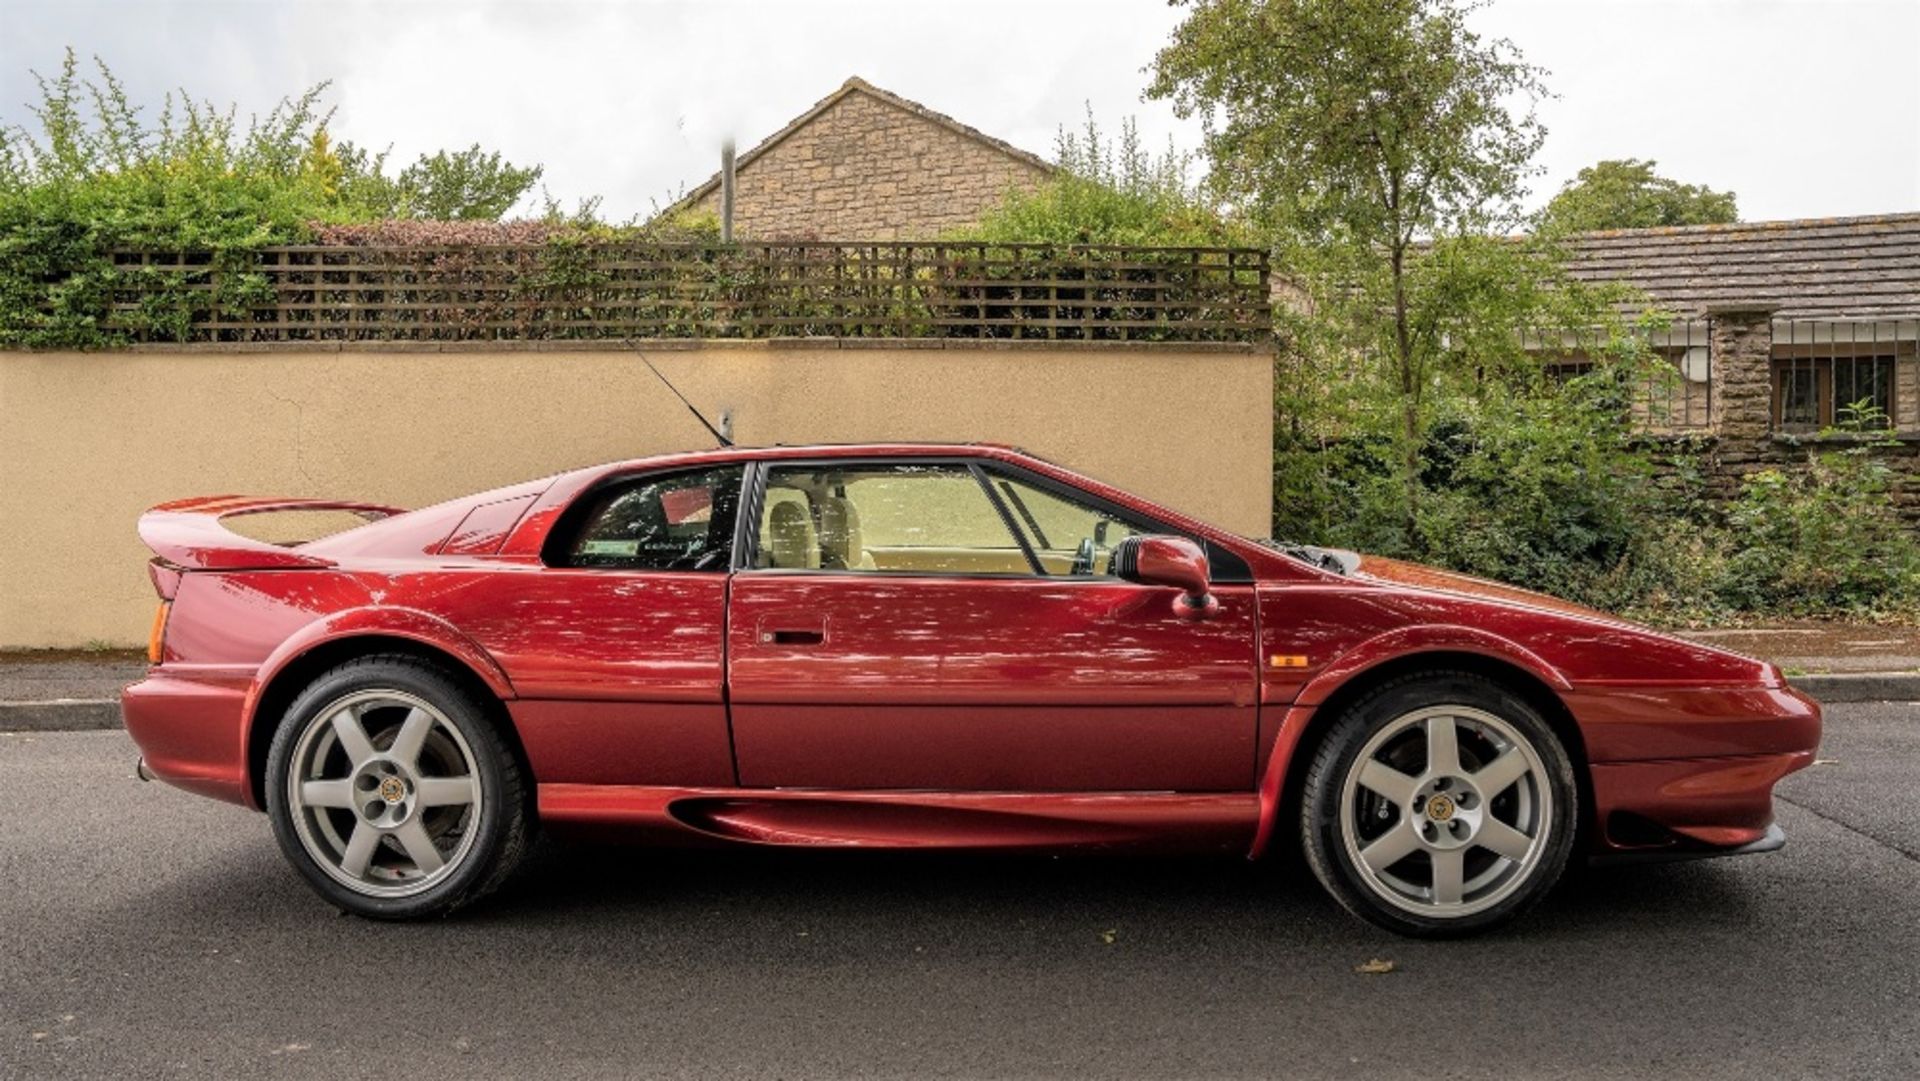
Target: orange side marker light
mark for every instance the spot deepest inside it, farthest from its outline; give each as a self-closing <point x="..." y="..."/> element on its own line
<point x="1288" y="660"/>
<point x="157" y="637"/>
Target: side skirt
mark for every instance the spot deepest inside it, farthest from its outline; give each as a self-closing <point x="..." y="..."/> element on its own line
<point x="1163" y="821"/>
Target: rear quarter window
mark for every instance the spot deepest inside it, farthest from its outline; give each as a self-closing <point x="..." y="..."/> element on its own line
<point x="676" y="522"/>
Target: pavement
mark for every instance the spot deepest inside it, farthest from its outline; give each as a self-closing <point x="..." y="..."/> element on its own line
<point x="71" y="690"/>
<point x="1833" y="662"/>
<point x="1823" y="648"/>
<point x="150" y="933"/>
<point x="64" y="690"/>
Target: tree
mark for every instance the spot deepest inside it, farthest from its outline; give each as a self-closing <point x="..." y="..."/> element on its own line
<point x="1628" y="194"/>
<point x="465" y="185"/>
<point x="1375" y="138"/>
<point x="462" y="185"/>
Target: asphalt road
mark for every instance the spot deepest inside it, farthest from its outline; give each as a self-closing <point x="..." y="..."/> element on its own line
<point x="144" y="932"/>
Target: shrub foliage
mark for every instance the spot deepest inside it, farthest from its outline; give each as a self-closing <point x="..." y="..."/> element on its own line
<point x="1111" y="191"/>
<point x="96" y="177"/>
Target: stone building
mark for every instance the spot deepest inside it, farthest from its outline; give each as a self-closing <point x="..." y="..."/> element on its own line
<point x="866" y="164"/>
<point x="1824" y="313"/>
<point x="1783" y="330"/>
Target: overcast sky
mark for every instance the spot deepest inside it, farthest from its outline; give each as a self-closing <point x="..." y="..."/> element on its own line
<point x="1805" y="108"/>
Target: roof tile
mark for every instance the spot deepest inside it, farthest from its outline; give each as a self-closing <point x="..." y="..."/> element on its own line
<point x="1828" y="268"/>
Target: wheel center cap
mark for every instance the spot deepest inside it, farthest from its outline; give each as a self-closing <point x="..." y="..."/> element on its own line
<point x="393" y="790"/>
<point x="1440" y="807"/>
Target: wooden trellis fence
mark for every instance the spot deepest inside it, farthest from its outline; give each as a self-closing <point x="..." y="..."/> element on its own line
<point x="591" y="291"/>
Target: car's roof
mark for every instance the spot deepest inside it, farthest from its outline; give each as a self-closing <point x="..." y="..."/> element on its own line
<point x="827" y="450"/>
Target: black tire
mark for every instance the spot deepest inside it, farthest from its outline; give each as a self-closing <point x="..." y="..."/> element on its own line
<point x="1325" y="843"/>
<point x="500" y="829"/>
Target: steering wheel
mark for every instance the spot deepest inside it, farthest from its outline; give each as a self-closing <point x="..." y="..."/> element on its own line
<point x="1082" y="559"/>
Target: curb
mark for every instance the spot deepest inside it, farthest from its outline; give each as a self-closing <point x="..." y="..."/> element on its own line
<point x="92" y="714"/>
<point x="1860" y="686"/>
<point x="60" y="715"/>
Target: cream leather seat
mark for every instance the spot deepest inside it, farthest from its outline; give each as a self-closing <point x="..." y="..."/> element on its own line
<point x="840" y="539"/>
<point x="791" y="541"/>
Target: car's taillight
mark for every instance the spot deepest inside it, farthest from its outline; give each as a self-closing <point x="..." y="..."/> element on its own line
<point x="157" y="637"/>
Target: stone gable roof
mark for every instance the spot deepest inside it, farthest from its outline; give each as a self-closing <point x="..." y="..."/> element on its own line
<point x="857" y="85"/>
<point x="1824" y="268"/>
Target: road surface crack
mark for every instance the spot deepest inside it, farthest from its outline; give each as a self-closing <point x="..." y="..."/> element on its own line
<point x="1849" y="827"/>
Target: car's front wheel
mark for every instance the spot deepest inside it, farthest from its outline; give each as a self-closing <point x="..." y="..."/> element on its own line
<point x="392" y="793"/>
<point x="1439" y="804"/>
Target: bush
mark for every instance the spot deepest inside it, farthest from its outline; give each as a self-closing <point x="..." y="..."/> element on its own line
<point x="1539" y="486"/>
<point x="1824" y="540"/>
<point x="1549" y="490"/>
<point x="97" y="178"/>
<point x="1105" y="193"/>
<point x="1544" y="492"/>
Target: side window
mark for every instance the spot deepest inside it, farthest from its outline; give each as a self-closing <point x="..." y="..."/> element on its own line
<point x="674" y="522"/>
<point x="900" y="519"/>
<point x="1070" y="538"/>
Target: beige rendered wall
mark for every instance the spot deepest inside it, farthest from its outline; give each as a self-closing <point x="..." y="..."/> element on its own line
<point x="89" y="440"/>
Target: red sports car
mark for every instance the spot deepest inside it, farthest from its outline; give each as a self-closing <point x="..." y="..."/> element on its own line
<point x="952" y="646"/>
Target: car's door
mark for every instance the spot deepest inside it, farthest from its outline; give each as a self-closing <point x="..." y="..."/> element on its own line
<point x="902" y="624"/>
<point x="616" y="643"/>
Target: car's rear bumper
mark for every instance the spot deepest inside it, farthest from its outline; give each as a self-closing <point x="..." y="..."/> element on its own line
<point x="190" y="729"/>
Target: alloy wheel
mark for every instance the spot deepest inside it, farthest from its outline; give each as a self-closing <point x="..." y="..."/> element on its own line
<point x="384" y="793"/>
<point x="1446" y="811"/>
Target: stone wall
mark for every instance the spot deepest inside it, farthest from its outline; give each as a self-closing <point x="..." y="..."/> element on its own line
<point x="1743" y="440"/>
<point x="866" y="168"/>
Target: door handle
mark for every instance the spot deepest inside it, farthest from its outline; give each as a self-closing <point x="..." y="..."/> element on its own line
<point x="793" y="637"/>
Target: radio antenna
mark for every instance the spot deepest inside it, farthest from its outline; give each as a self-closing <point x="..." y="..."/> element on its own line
<point x="691" y="408"/>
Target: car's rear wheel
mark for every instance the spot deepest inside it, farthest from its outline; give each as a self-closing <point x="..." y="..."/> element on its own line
<point x="1439" y="804"/>
<point x="392" y="793"/>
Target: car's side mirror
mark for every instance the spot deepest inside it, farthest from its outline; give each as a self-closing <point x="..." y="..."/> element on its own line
<point x="1168" y="561"/>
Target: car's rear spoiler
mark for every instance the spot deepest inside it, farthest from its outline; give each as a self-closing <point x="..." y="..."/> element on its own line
<point x="188" y="533"/>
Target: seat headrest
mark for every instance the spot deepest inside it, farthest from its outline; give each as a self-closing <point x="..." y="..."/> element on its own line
<point x="840" y="540"/>
<point x="791" y="543"/>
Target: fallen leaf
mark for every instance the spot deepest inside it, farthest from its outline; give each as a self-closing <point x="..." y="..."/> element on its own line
<point x="1374" y="967"/>
<point x="1109" y="935"/>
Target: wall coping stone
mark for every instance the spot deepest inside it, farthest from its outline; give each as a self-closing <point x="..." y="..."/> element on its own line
<point x="669" y="344"/>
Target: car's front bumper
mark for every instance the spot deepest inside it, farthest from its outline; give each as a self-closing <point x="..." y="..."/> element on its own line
<point x="1772" y="841"/>
<point x="1693" y="806"/>
<point x="1688" y="772"/>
